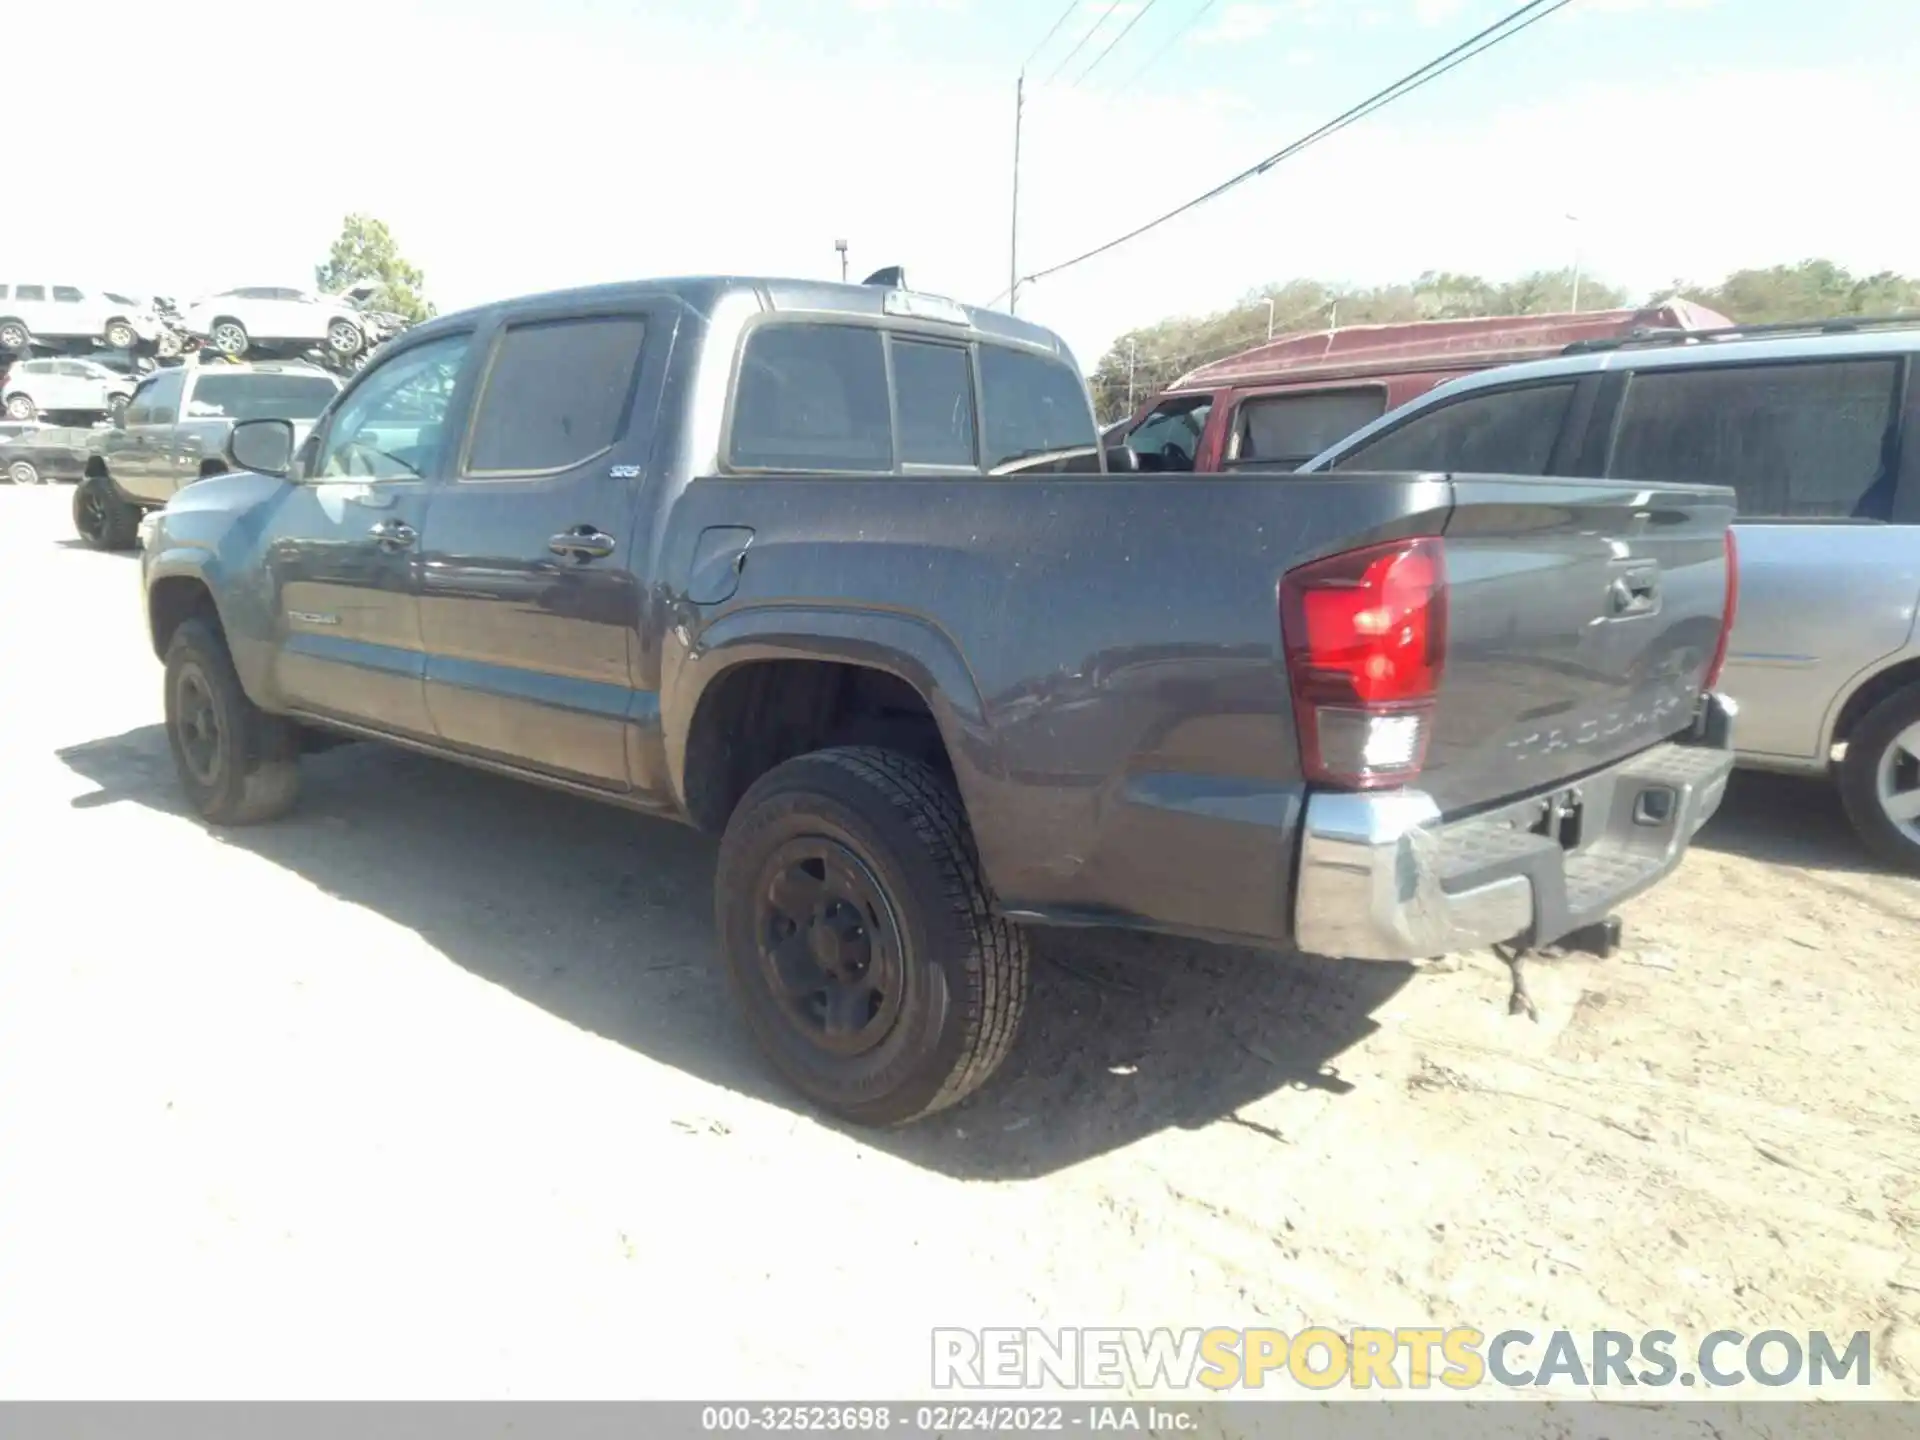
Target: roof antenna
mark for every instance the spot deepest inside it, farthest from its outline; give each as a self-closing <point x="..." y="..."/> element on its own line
<point x="894" y="277"/>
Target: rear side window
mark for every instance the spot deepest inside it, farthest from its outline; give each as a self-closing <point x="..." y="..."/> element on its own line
<point x="1499" y="432"/>
<point x="29" y="292"/>
<point x="1292" y="429"/>
<point x="158" y="401"/>
<point x="933" y="390"/>
<point x="66" y="293"/>
<point x="813" y="397"/>
<point x="262" y="395"/>
<point x="1808" y="441"/>
<point x="556" y="395"/>
<point x="1032" y="406"/>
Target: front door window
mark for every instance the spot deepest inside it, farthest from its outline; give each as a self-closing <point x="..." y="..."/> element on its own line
<point x="392" y="427"/>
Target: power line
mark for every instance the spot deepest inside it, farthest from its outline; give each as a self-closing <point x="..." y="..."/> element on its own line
<point x="1167" y="44"/>
<point x="1406" y="85"/>
<point x="1072" y="5"/>
<point x="1092" y="30"/>
<point x="1138" y="16"/>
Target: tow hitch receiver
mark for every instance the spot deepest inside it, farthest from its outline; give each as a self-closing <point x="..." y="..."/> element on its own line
<point x="1601" y="938"/>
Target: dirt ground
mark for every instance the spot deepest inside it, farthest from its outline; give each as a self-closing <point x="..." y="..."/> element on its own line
<point x="430" y="1091"/>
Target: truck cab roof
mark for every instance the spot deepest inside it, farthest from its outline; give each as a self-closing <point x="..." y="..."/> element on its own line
<point x="707" y="294"/>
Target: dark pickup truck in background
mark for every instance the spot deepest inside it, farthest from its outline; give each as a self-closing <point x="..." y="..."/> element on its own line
<point x="839" y="574"/>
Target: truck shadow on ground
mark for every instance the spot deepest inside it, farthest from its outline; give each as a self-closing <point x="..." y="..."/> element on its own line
<point x="604" y="919"/>
<point x="1786" y="820"/>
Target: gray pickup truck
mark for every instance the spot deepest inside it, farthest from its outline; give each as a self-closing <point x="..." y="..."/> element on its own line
<point x="174" y="432"/>
<point x="839" y="573"/>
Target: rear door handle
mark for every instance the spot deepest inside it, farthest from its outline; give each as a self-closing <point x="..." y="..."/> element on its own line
<point x="394" y="534"/>
<point x="583" y="542"/>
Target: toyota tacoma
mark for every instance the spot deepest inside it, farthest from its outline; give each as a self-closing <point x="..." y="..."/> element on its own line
<point x="842" y="575"/>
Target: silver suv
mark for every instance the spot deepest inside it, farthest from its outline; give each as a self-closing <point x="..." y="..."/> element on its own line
<point x="1817" y="428"/>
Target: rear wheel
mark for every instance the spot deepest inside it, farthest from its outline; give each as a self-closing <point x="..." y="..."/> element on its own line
<point x="101" y="517"/>
<point x="230" y="338"/>
<point x="857" y="934"/>
<point x="22" y="472"/>
<point x="1880" y="779"/>
<point x="15" y="336"/>
<point x="21" y="407"/>
<point x="344" y="339"/>
<point x="120" y="335"/>
<point x="238" y="764"/>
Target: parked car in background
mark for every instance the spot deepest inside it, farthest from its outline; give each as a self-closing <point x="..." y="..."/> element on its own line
<point x="175" y="433"/>
<point x="65" y="390"/>
<point x="45" y="454"/>
<point x="278" y="318"/>
<point x="33" y="313"/>
<point x="1283" y="402"/>
<point x="818" y="568"/>
<point x="120" y="362"/>
<point x="1817" y="430"/>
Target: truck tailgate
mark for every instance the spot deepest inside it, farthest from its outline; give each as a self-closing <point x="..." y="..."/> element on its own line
<point x="1582" y="618"/>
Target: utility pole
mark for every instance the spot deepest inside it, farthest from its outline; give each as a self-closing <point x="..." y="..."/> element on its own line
<point x="1269" y="317"/>
<point x="1576" y="262"/>
<point x="1130" y="359"/>
<point x="1013" y="242"/>
<point x="841" y="246"/>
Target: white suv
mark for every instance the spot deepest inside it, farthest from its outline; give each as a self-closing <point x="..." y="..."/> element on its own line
<point x="31" y="313"/>
<point x="278" y="317"/>
<point x="33" y="388"/>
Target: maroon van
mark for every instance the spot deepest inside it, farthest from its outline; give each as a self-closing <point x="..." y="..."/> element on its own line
<point x="1282" y="402"/>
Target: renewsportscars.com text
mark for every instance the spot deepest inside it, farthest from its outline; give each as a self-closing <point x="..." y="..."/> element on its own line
<point x="1404" y="1358"/>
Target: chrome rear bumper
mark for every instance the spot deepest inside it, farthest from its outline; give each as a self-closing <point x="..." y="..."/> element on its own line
<point x="1384" y="877"/>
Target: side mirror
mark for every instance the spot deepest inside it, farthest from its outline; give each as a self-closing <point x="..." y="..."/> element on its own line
<point x="1122" y="458"/>
<point x="265" y="446"/>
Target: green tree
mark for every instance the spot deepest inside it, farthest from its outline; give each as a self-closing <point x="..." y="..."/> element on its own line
<point x="366" y="252"/>
<point x="1810" y="290"/>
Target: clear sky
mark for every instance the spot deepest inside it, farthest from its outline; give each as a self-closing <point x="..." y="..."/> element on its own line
<point x="521" y="146"/>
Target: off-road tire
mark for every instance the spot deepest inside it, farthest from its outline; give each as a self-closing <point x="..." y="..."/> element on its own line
<point x="120" y="335"/>
<point x="15" y="337"/>
<point x="102" y="518"/>
<point x="1859" y="778"/>
<point x="21" y="407"/>
<point x="256" y="776"/>
<point x="964" y="969"/>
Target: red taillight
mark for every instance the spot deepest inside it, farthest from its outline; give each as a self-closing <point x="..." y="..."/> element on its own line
<point x="1366" y="641"/>
<point x="1726" y="620"/>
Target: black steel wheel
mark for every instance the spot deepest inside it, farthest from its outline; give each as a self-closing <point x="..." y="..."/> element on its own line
<point x="857" y="934"/>
<point x="101" y="517"/>
<point x="830" y="944"/>
<point x="238" y="764"/>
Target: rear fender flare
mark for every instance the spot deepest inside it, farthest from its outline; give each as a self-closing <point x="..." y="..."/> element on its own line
<point x="909" y="648"/>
